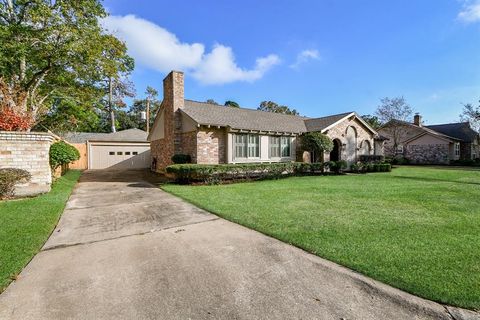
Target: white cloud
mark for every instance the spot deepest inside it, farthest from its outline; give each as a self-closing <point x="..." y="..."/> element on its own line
<point x="156" y="48"/>
<point x="305" y="56"/>
<point x="470" y="12"/>
<point x="219" y="66"/>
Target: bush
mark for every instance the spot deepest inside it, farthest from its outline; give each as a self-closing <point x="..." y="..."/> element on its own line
<point x="400" y="160"/>
<point x="378" y="167"/>
<point x="465" y="162"/>
<point x="337" y="166"/>
<point x="371" y="159"/>
<point x="9" y="177"/>
<point x="181" y="158"/>
<point x="215" y="173"/>
<point x="62" y="153"/>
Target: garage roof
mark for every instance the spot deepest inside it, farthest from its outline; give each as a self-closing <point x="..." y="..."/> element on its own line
<point x="129" y="135"/>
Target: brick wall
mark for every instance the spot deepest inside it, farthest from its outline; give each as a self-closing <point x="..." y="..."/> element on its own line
<point x="28" y="151"/>
<point x="211" y="146"/>
<point x="163" y="149"/>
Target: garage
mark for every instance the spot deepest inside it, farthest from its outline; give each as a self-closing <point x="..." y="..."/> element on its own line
<point x="111" y="155"/>
<point x="126" y="149"/>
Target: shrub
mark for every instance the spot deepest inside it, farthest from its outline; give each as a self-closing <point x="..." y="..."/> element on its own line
<point x="337" y="166"/>
<point x="316" y="142"/>
<point x="9" y="177"/>
<point x="181" y="158"/>
<point x="379" y="167"/>
<point x="371" y="159"/>
<point x="400" y="160"/>
<point x="62" y="153"/>
<point x="188" y="173"/>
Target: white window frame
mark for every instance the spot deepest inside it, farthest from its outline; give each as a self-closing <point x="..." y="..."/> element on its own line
<point x="456" y="148"/>
<point x="246" y="145"/>
<point x="399" y="149"/>
<point x="277" y="143"/>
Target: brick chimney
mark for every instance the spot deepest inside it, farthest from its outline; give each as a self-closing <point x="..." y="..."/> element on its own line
<point x="173" y="99"/>
<point x="417" y="119"/>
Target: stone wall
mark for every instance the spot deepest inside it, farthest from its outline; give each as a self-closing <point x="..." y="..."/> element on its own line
<point x="28" y="151"/>
<point x="340" y="132"/>
<point x="211" y="146"/>
<point x="428" y="153"/>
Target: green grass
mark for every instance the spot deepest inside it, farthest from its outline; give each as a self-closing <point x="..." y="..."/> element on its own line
<point x="26" y="224"/>
<point x="416" y="228"/>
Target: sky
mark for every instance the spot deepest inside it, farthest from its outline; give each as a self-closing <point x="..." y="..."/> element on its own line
<point x="319" y="57"/>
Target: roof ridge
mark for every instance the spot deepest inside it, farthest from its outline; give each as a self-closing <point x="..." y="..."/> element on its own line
<point x="247" y="109"/>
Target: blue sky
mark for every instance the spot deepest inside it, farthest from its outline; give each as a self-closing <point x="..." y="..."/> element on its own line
<point x="319" y="57"/>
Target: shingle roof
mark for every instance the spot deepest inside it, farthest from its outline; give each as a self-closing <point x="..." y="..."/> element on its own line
<point x="318" y="124"/>
<point x="424" y="129"/>
<point x="249" y="119"/>
<point x="461" y="130"/>
<point x="129" y="135"/>
<point x="242" y="119"/>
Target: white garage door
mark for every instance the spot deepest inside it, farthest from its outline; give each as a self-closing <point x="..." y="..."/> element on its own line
<point x="119" y="156"/>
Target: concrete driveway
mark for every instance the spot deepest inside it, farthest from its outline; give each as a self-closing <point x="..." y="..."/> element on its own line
<point x="125" y="249"/>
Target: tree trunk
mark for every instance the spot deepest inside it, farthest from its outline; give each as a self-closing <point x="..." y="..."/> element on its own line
<point x="110" y="105"/>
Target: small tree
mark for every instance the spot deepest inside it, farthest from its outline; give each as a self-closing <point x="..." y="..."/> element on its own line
<point x="62" y="153"/>
<point x="317" y="142"/>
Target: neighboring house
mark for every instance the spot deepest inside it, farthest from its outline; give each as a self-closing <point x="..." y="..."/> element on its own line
<point x="214" y="134"/>
<point x="436" y="144"/>
<point x="126" y="149"/>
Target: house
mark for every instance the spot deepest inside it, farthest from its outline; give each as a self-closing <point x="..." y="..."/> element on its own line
<point x="214" y="134"/>
<point x="126" y="149"/>
<point x="435" y="144"/>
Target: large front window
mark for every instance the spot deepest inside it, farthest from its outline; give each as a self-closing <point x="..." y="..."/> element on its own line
<point x="280" y="147"/>
<point x="246" y="146"/>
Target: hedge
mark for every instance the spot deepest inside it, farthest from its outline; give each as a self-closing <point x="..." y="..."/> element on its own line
<point x="371" y="159"/>
<point x="199" y="173"/>
<point x="62" y="153"/>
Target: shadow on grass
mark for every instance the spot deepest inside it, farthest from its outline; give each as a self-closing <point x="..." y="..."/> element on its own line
<point x="425" y="179"/>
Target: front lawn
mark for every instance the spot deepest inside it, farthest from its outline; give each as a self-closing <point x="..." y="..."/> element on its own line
<point x="416" y="228"/>
<point x="26" y="224"/>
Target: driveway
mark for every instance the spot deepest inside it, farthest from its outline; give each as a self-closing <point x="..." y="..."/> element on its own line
<point x="125" y="249"/>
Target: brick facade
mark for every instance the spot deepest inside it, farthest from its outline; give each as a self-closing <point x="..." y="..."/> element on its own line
<point x="211" y="146"/>
<point x="163" y="149"/>
<point x="28" y="151"/>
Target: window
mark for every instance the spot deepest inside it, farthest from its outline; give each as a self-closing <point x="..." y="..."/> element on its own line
<point x="253" y="146"/>
<point x="280" y="147"/>
<point x="457" y="149"/>
<point x="274" y="147"/>
<point x="119" y="153"/>
<point x="285" y="145"/>
<point x="134" y="153"/>
<point x="127" y="153"/>
<point x="400" y="148"/>
<point x="246" y="146"/>
<point x="111" y="153"/>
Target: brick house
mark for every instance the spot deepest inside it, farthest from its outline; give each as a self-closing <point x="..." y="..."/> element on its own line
<point x="214" y="134"/>
<point x="434" y="144"/>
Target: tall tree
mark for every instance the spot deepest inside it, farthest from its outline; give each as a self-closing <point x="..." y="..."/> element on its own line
<point x="271" y="106"/>
<point x="394" y="108"/>
<point x="471" y="114"/>
<point x="151" y="103"/>
<point x="232" y="104"/>
<point x="47" y="51"/>
<point x="394" y="113"/>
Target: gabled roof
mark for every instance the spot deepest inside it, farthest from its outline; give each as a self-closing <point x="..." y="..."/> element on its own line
<point x="319" y="124"/>
<point x="242" y="118"/>
<point x="460" y="130"/>
<point x="129" y="135"/>
<point x="423" y="130"/>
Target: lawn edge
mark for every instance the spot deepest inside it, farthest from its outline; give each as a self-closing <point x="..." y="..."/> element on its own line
<point x="40" y="249"/>
<point x="453" y="312"/>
